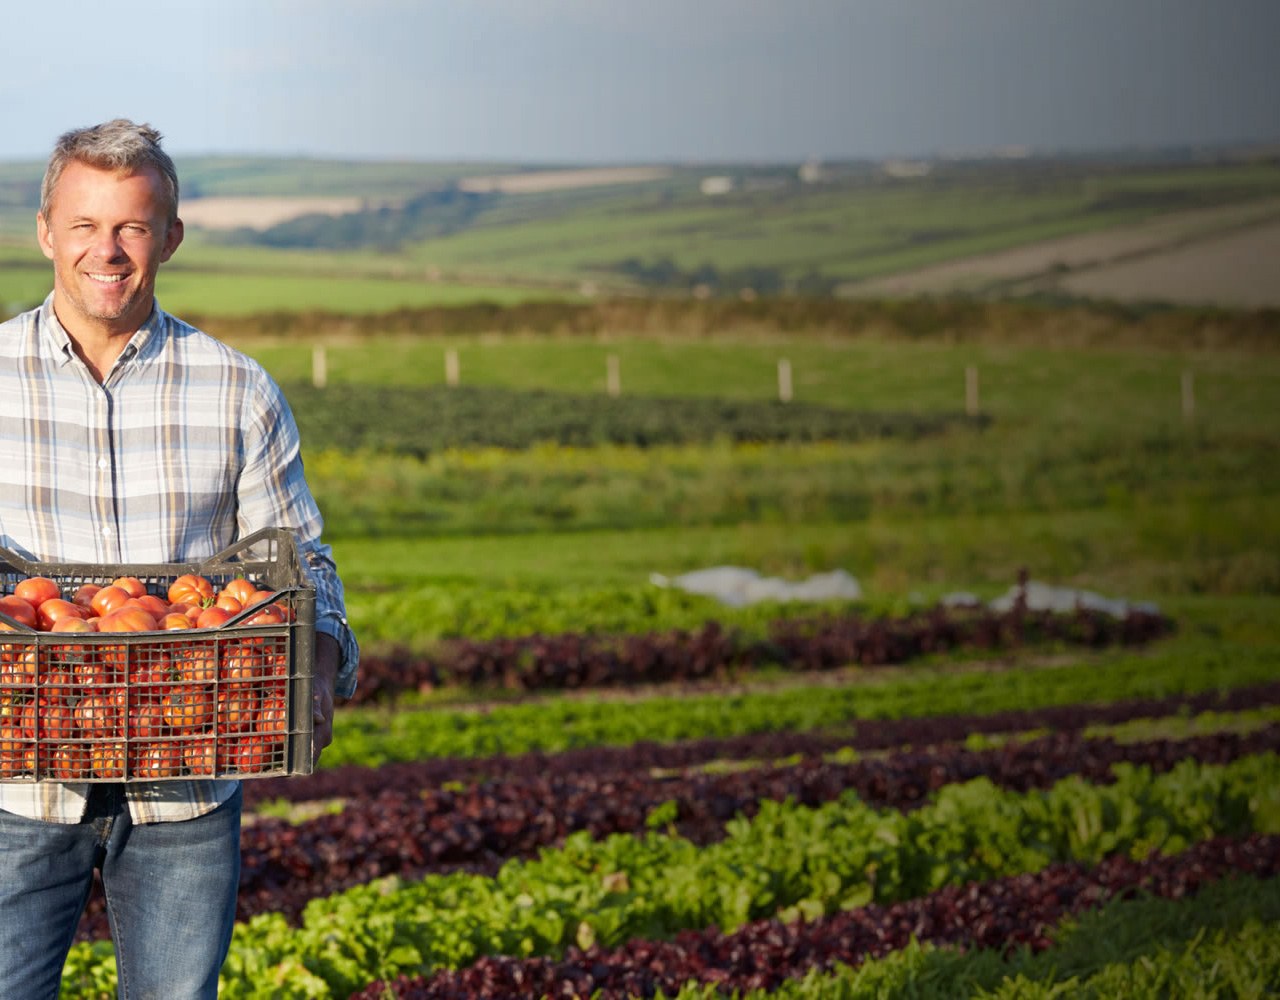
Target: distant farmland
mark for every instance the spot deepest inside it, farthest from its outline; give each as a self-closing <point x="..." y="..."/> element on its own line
<point x="1220" y="256"/>
<point x="356" y="238"/>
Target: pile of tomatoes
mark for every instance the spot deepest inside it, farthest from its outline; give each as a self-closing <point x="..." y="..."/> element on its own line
<point x="195" y="698"/>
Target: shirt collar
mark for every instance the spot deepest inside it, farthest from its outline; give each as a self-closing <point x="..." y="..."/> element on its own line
<point x="140" y="345"/>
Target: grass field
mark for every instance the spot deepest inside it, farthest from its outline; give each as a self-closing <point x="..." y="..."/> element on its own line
<point x="1090" y="474"/>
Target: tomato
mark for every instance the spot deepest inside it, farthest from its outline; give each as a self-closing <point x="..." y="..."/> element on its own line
<point x="128" y="619"/>
<point x="54" y="610"/>
<point x="199" y="756"/>
<point x="242" y="661"/>
<point x="238" y="707"/>
<point x="64" y="761"/>
<point x="90" y="671"/>
<point x="19" y="609"/>
<point x="246" y="754"/>
<point x="273" y="716"/>
<point x="155" y="760"/>
<point x="17" y="751"/>
<point x="107" y="759"/>
<point x="84" y="594"/>
<point x="188" y="707"/>
<point x="108" y="599"/>
<point x="100" y="714"/>
<point x="17" y="663"/>
<point x="228" y="602"/>
<point x="191" y="588"/>
<point x="212" y="617"/>
<point x="131" y="585"/>
<point x="151" y="604"/>
<point x="73" y="623"/>
<point x="35" y="590"/>
<point x="241" y="589"/>
<point x="146" y="720"/>
<point x="174" y="621"/>
<point x="194" y="661"/>
<point x="269" y="614"/>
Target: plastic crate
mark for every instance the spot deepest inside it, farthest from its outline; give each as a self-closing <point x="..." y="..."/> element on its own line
<point x="226" y="702"/>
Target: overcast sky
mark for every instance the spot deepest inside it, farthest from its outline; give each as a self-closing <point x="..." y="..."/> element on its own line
<point x="645" y="80"/>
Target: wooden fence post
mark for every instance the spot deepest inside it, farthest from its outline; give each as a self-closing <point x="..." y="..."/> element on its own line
<point x="784" y="380"/>
<point x="613" y="375"/>
<point x="451" y="366"/>
<point x="319" y="366"/>
<point x="971" y="405"/>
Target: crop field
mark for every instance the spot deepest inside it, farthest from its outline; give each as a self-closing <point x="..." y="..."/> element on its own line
<point x="564" y="775"/>
<point x="560" y="778"/>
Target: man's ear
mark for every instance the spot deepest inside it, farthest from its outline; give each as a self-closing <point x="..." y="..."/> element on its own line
<point x="43" y="236"/>
<point x="172" y="240"/>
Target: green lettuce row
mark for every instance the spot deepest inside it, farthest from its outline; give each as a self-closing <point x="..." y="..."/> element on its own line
<point x="787" y="861"/>
<point x="1222" y="942"/>
<point x="372" y="736"/>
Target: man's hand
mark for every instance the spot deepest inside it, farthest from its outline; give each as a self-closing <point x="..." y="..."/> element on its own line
<point x="328" y="656"/>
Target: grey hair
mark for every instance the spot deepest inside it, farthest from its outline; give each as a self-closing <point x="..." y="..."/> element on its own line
<point x="115" y="145"/>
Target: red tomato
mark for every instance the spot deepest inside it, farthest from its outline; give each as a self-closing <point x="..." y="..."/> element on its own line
<point x="238" y="706"/>
<point x="131" y="585"/>
<point x="273" y="716"/>
<point x="107" y="759"/>
<point x="198" y="755"/>
<point x="146" y="720"/>
<point x="35" y="590"/>
<point x="100" y="714"/>
<point x="108" y="599"/>
<point x="19" y="609"/>
<point x="128" y="619"/>
<point x="54" y="609"/>
<point x="175" y="620"/>
<point x="269" y="614"/>
<point x="65" y="761"/>
<point x="194" y="661"/>
<point x="191" y="588"/>
<point x="155" y="760"/>
<point x="17" y="663"/>
<point x="84" y="594"/>
<point x="189" y="707"/>
<point x="212" y="617"/>
<point x="241" y="589"/>
<point x="151" y="604"/>
<point x="228" y="602"/>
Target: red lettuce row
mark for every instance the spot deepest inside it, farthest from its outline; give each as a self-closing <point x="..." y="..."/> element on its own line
<point x="582" y="660"/>
<point x="1001" y="914"/>
<point x="351" y="781"/>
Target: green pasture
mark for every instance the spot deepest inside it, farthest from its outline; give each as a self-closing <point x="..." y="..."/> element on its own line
<point x="1096" y="389"/>
<point x="1090" y="474"/>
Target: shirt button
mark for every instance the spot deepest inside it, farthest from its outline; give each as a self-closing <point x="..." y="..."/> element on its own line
<point x="102" y="463"/>
<point x="106" y="532"/>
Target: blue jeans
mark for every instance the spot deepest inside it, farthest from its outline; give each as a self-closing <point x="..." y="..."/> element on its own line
<point x="170" y="892"/>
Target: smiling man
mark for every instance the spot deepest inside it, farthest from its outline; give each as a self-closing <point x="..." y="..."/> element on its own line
<point x="107" y="232"/>
<point x="129" y="436"/>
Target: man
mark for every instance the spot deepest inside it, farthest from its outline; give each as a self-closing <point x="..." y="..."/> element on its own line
<point x="128" y="436"/>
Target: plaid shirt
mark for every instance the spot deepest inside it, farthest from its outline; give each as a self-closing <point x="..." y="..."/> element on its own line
<point x="185" y="447"/>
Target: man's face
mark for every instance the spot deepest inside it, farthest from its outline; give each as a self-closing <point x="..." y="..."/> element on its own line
<point x="107" y="234"/>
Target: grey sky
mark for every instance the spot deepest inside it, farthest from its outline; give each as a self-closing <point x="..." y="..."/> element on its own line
<point x="660" y="80"/>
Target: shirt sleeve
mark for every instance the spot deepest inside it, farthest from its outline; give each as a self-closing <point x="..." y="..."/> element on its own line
<point x="273" y="492"/>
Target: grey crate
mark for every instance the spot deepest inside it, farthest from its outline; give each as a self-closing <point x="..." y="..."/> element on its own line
<point x="226" y="702"/>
